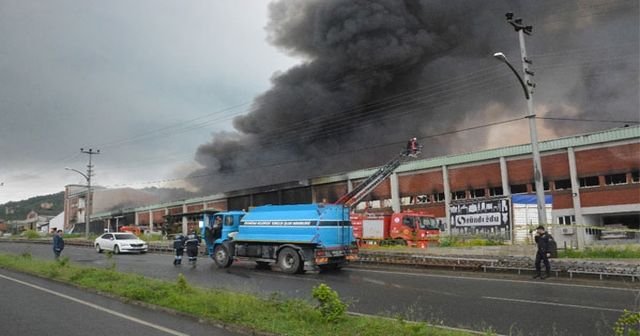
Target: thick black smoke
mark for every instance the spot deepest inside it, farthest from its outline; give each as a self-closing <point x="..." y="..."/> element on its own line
<point x="374" y="73"/>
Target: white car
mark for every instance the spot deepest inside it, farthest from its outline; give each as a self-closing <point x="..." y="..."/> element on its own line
<point x="119" y="242"/>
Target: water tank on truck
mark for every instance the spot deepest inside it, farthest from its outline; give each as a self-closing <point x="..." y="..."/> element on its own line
<point x="296" y="238"/>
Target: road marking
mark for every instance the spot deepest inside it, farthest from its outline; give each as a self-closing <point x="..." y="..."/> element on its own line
<point x="94" y="306"/>
<point x="543" y="283"/>
<point x="553" y="304"/>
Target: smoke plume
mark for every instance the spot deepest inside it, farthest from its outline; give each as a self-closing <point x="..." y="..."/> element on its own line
<point x="374" y="73"/>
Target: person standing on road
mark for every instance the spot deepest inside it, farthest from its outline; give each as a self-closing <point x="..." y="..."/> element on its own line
<point x="543" y="253"/>
<point x="58" y="244"/>
<point x="178" y="245"/>
<point x="191" y="244"/>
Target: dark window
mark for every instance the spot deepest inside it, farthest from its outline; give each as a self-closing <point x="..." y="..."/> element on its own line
<point x="635" y="176"/>
<point x="409" y="221"/>
<point x="421" y="199"/>
<point x="438" y="197"/>
<point x="459" y="195"/>
<point x="615" y="179"/>
<point x="589" y="181"/>
<point x="545" y="184"/>
<point x="562" y="184"/>
<point x="477" y="193"/>
<point x="567" y="220"/>
<point x="518" y="188"/>
<point x="496" y="191"/>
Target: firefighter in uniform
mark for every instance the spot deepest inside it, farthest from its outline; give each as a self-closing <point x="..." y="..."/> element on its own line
<point x="178" y="245"/>
<point x="542" y="239"/>
<point x="191" y="244"/>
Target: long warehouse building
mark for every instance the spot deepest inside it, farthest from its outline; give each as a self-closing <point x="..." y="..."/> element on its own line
<point x="591" y="180"/>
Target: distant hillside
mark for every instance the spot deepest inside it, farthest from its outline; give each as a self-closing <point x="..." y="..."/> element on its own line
<point x="20" y="209"/>
<point x="46" y="205"/>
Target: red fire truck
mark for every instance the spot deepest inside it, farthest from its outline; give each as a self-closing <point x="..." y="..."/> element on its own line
<point x="410" y="228"/>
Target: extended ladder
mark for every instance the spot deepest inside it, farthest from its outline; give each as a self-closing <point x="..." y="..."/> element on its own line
<point x="352" y="198"/>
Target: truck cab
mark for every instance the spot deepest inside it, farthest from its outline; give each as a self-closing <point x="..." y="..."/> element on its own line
<point x="416" y="228"/>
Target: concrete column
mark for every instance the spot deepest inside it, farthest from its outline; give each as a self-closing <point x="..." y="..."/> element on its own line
<point x="349" y="185"/>
<point x="150" y="221"/>
<point x="447" y="197"/>
<point x="135" y="218"/>
<point x="395" y="193"/>
<point x="109" y="224"/>
<point x="185" y="220"/>
<point x="504" y="175"/>
<point x="314" y="198"/>
<point x="575" y="193"/>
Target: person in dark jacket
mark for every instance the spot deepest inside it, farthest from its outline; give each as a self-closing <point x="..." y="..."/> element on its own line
<point x="178" y="245"/>
<point x="58" y="244"/>
<point x="191" y="244"/>
<point x="543" y="253"/>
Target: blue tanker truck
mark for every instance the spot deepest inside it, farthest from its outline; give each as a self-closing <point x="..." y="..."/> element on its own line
<point x="297" y="238"/>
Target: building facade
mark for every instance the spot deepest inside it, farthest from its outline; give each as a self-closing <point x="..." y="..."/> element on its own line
<point x="591" y="180"/>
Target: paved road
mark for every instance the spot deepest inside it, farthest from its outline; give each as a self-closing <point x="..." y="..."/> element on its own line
<point x="508" y="304"/>
<point x="34" y="306"/>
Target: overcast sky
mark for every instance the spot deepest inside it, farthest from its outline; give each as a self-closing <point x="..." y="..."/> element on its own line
<point x="110" y="74"/>
<point x="148" y="82"/>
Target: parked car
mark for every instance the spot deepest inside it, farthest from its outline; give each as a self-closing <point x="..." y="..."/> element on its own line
<point x="120" y="242"/>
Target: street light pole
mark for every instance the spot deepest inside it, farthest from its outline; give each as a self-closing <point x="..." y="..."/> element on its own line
<point x="86" y="212"/>
<point x="528" y="86"/>
<point x="87" y="177"/>
<point x="91" y="152"/>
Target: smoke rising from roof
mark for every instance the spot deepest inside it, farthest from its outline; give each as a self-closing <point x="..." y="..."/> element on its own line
<point x="374" y="73"/>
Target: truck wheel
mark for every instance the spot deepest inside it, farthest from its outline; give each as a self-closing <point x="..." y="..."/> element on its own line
<point x="221" y="257"/>
<point x="289" y="261"/>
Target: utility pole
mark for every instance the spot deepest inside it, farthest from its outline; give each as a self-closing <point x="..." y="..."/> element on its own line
<point x="87" y="221"/>
<point x="529" y="85"/>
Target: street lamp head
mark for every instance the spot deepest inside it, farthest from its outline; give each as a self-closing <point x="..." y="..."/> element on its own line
<point x="67" y="168"/>
<point x="509" y="16"/>
<point x="500" y="56"/>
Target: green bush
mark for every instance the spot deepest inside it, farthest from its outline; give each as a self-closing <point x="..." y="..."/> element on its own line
<point x="612" y="252"/>
<point x="628" y="324"/>
<point x="330" y="306"/>
<point x="31" y="234"/>
<point x="470" y="241"/>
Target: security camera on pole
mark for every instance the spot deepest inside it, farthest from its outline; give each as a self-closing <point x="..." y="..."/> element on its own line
<point x="528" y="85"/>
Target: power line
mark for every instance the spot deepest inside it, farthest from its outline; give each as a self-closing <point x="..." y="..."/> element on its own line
<point x="592" y="120"/>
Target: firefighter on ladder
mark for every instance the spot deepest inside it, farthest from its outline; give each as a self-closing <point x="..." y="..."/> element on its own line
<point x="412" y="147"/>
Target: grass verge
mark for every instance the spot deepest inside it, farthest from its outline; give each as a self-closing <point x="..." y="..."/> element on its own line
<point x="270" y="315"/>
<point x="613" y="252"/>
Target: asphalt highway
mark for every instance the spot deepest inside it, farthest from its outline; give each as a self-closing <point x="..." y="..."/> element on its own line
<point x="34" y="306"/>
<point x="507" y="304"/>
